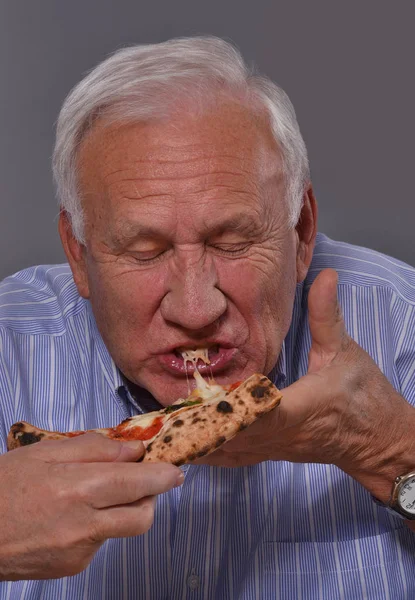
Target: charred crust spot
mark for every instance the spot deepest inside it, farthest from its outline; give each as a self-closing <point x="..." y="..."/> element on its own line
<point x="191" y="457"/>
<point x="203" y="452"/>
<point x="167" y="439"/>
<point x="149" y="448"/>
<point x="241" y="402"/>
<point x="224" y="407"/>
<point x="263" y="380"/>
<point x="259" y="391"/>
<point x="260" y="413"/>
<point x="196" y="420"/>
<point x="220" y="441"/>
<point x="179" y="463"/>
<point x="177" y="423"/>
<point x="26" y="438"/>
<point x="17" y="429"/>
<point x="140" y="459"/>
<point x="242" y="426"/>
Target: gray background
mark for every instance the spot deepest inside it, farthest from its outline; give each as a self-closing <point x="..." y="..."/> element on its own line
<point x="347" y="66"/>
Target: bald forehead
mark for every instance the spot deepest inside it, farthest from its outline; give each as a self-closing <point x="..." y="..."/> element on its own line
<point x="235" y="136"/>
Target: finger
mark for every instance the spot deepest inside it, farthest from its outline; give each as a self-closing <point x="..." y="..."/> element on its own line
<point x="91" y="447"/>
<point x="125" y="521"/>
<point x="103" y="484"/>
<point x="324" y="312"/>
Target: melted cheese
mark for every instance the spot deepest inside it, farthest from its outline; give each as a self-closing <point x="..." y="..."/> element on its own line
<point x="194" y="355"/>
<point x="205" y="390"/>
<point x="143" y="421"/>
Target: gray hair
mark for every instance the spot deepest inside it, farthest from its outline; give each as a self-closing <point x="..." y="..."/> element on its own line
<point x="143" y="82"/>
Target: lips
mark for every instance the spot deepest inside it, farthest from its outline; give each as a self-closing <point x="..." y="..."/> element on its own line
<point x="219" y="356"/>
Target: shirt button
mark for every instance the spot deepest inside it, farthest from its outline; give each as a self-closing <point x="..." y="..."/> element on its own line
<point x="193" y="581"/>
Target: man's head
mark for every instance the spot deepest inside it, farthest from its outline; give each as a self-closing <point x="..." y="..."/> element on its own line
<point x="188" y="217"/>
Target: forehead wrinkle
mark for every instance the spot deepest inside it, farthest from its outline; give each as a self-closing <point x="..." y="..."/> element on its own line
<point x="197" y="189"/>
<point x="159" y="172"/>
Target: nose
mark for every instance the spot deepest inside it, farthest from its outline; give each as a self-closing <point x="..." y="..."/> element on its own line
<point x="193" y="300"/>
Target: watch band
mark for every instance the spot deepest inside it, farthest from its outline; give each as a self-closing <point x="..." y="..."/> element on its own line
<point x="390" y="510"/>
<point x="393" y="505"/>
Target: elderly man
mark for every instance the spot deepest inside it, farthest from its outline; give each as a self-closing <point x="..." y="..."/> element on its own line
<point x="189" y="221"/>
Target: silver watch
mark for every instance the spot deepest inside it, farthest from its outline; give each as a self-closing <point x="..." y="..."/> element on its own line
<point x="402" y="500"/>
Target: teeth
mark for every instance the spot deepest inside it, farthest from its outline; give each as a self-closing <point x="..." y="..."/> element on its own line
<point x="212" y="350"/>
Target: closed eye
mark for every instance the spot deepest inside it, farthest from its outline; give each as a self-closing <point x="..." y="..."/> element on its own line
<point x="147" y="258"/>
<point x="232" y="249"/>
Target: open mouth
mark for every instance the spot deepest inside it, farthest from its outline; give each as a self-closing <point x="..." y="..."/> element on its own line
<point x="218" y="358"/>
<point x="212" y="352"/>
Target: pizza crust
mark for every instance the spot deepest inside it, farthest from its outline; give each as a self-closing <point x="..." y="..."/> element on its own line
<point x="196" y="432"/>
<point x="183" y="435"/>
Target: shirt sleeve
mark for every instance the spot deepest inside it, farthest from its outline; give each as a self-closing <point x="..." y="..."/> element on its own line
<point x="7" y="386"/>
<point x="404" y="348"/>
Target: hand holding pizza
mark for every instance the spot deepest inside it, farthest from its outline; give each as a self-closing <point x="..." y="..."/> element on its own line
<point x="61" y="500"/>
<point x="342" y="412"/>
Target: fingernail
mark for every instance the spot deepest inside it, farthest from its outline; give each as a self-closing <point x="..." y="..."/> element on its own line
<point x="180" y="479"/>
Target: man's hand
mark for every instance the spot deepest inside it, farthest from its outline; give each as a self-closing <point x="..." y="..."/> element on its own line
<point x="344" y="411"/>
<point x="60" y="500"/>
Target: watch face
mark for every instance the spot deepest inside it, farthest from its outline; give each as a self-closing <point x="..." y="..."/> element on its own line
<point x="406" y="496"/>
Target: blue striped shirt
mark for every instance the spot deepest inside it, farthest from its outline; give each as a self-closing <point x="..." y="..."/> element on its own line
<point x="274" y="530"/>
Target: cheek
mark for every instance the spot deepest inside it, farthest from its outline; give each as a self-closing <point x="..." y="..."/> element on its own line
<point x="125" y="301"/>
<point x="258" y="292"/>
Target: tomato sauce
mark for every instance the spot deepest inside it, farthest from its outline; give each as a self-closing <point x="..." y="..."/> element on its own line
<point x="233" y="387"/>
<point x="138" y="433"/>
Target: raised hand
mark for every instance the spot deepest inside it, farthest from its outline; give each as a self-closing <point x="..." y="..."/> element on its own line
<point x="344" y="411"/>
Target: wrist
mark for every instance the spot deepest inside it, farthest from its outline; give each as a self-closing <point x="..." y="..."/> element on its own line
<point x="391" y="453"/>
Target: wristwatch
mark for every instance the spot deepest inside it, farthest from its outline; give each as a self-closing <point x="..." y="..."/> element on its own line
<point x="402" y="500"/>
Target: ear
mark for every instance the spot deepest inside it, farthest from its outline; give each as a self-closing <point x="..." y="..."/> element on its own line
<point x="75" y="253"/>
<point x="306" y="230"/>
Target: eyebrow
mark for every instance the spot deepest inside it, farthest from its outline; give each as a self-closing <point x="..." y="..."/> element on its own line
<point x="241" y="223"/>
<point x="126" y="232"/>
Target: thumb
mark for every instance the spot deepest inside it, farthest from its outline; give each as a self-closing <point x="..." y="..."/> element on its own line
<point x="324" y="312"/>
<point x="90" y="447"/>
<point x="300" y="399"/>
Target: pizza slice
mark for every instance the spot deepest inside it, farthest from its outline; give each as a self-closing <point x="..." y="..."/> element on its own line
<point x="184" y="431"/>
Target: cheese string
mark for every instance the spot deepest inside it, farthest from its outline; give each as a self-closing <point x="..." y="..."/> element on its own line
<point x="187" y="378"/>
<point x="193" y="356"/>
